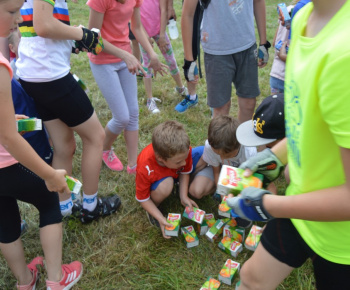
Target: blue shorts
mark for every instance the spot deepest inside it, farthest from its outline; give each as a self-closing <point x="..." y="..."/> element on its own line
<point x="276" y="85"/>
<point x="197" y="153"/>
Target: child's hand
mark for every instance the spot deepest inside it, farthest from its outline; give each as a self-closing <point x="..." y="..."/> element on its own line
<point x="134" y="66"/>
<point x="163" y="44"/>
<point x="157" y="66"/>
<point x="57" y="181"/>
<point x="186" y="201"/>
<point x="282" y="53"/>
<point x="20" y="117"/>
<point x="163" y="223"/>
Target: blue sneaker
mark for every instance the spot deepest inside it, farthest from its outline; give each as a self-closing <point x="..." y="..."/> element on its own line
<point x="185" y="104"/>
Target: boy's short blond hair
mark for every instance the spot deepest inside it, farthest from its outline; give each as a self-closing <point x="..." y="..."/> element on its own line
<point x="170" y="138"/>
<point x="222" y="134"/>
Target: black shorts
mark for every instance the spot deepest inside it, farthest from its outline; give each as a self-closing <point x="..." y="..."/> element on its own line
<point x="61" y="99"/>
<point x="281" y="239"/>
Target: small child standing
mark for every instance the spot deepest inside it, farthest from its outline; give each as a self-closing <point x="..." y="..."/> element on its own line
<point x="154" y="19"/>
<point x="169" y="157"/>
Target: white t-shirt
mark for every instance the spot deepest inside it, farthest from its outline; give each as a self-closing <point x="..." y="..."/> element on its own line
<point x="213" y="159"/>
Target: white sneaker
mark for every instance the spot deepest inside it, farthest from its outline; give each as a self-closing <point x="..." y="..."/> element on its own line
<point x="181" y="91"/>
<point x="152" y="106"/>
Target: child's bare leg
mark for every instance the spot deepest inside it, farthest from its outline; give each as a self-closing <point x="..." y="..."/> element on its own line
<point x="51" y="241"/>
<point x="191" y="88"/>
<point x="177" y="79"/>
<point x="263" y="269"/>
<point x="63" y="141"/>
<point x="92" y="136"/>
<point x="163" y="190"/>
<point x="109" y="139"/>
<point x="14" y="255"/>
<point x="148" y="87"/>
<point x="131" y="140"/>
<point x="201" y="186"/>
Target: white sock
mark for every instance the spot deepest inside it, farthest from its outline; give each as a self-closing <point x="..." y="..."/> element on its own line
<point x="89" y="201"/>
<point x="193" y="97"/>
<point x="66" y="207"/>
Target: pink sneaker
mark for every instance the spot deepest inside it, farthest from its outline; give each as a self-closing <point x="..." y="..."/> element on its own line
<point x="131" y="170"/>
<point x="111" y="160"/>
<point x="71" y="275"/>
<point x="32" y="266"/>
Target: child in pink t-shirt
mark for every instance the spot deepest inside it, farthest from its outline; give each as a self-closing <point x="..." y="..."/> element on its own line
<point x="115" y="69"/>
<point x="154" y="20"/>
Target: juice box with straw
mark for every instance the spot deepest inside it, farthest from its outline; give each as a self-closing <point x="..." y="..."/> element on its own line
<point x="73" y="184"/>
<point x="29" y="124"/>
<point x="228" y="271"/>
<point x="224" y="209"/>
<point x="231" y="180"/>
<point x="208" y="222"/>
<point x="190" y="236"/>
<point x="230" y="246"/>
<point x="211" y="284"/>
<point x="174" y="219"/>
<point x="196" y="215"/>
<point x="253" y="238"/>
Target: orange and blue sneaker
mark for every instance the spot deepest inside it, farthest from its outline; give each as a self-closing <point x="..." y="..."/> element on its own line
<point x="186" y="103"/>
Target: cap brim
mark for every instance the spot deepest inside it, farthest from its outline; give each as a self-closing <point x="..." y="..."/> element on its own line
<point x="246" y="136"/>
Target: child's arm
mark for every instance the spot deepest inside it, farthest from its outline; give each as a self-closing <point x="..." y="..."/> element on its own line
<point x="141" y="37"/>
<point x="260" y="18"/>
<point x="45" y="25"/>
<point x="171" y="10"/>
<point x="19" y="147"/>
<point x="163" y="22"/>
<point x="151" y="208"/>
<point x="282" y="54"/>
<point x="96" y="21"/>
<point x="184" y="181"/>
<point x="188" y="11"/>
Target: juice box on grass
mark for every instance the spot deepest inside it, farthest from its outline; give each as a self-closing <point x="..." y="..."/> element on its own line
<point x="81" y="84"/>
<point x="211" y="284"/>
<point x="196" y="215"/>
<point x="234" y="233"/>
<point x="175" y="220"/>
<point x="230" y="246"/>
<point x="28" y="125"/>
<point x="208" y="222"/>
<point x="216" y="230"/>
<point x="231" y="180"/>
<point x="73" y="184"/>
<point x="253" y="238"/>
<point x="190" y="236"/>
<point x="224" y="209"/>
<point x="228" y="271"/>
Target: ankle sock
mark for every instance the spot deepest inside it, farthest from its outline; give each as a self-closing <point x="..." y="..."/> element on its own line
<point x="180" y="90"/>
<point x="89" y="201"/>
<point x="66" y="207"/>
<point x="193" y="97"/>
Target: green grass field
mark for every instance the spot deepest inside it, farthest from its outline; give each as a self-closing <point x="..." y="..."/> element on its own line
<point x="124" y="251"/>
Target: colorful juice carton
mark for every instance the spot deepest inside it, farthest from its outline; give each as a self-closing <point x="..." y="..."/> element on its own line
<point x="190" y="236"/>
<point x="28" y="125"/>
<point x="81" y="83"/>
<point x="216" y="230"/>
<point x="73" y="184"/>
<point x="224" y="209"/>
<point x="175" y="220"/>
<point x="99" y="47"/>
<point x="230" y="246"/>
<point x="208" y="222"/>
<point x="279" y="45"/>
<point x="196" y="215"/>
<point x="229" y="271"/>
<point x="234" y="233"/>
<point x="284" y="14"/>
<point x="211" y="284"/>
<point x="231" y="180"/>
<point x="253" y="238"/>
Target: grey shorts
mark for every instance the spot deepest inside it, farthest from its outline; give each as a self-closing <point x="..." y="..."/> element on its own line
<point x="207" y="172"/>
<point x="240" y="68"/>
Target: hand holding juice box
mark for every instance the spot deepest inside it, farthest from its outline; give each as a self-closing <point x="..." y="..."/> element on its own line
<point x="73" y="184"/>
<point x="232" y="180"/>
<point x="284" y="14"/>
<point x="228" y="271"/>
<point x="196" y="215"/>
<point x="253" y="238"/>
<point x="174" y="219"/>
<point x="211" y="284"/>
<point x="190" y="236"/>
<point x="100" y="46"/>
<point x="29" y="124"/>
